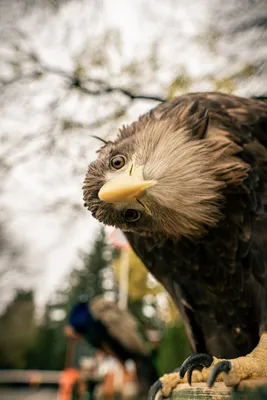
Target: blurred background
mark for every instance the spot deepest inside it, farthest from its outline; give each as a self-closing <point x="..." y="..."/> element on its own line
<point x="70" y="69"/>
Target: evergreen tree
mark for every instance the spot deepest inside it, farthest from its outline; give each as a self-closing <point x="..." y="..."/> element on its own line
<point x="17" y="331"/>
<point x="50" y="345"/>
<point x="93" y="277"/>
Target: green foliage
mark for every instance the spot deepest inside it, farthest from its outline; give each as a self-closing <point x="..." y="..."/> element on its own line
<point x="91" y="277"/>
<point x="181" y="83"/>
<point x="247" y="71"/>
<point x="174" y="348"/>
<point x="224" y="84"/>
<point x="50" y="347"/>
<point x="228" y="84"/>
<point x="17" y="331"/>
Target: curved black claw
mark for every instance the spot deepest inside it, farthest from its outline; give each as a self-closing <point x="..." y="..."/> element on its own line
<point x="154" y="390"/>
<point x="190" y="372"/>
<point x="195" y="361"/>
<point x="222" y="366"/>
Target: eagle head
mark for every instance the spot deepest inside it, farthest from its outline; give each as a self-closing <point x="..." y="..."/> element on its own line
<point x="157" y="178"/>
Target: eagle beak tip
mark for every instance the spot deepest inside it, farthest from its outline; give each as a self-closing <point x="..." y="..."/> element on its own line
<point x="120" y="193"/>
<point x="102" y="194"/>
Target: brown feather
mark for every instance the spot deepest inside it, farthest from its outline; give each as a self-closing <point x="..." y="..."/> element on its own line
<point x="206" y="237"/>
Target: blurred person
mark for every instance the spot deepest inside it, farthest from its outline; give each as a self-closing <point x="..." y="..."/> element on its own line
<point x="105" y="326"/>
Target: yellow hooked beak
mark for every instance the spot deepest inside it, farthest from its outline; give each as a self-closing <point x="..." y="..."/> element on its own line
<point x="126" y="187"/>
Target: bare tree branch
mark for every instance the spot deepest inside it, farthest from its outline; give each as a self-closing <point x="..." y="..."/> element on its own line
<point x="108" y="89"/>
<point x="77" y="82"/>
<point x="70" y="124"/>
<point x="19" y="78"/>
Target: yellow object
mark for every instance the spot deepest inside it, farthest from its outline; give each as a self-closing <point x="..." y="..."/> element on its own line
<point x="125" y="187"/>
<point x="137" y="278"/>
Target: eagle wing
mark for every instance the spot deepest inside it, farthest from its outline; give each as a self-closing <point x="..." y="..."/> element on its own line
<point x="143" y="247"/>
<point x="241" y="124"/>
<point x="120" y="324"/>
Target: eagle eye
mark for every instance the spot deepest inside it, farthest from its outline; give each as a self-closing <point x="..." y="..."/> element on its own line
<point x="117" y="162"/>
<point x="131" y="215"/>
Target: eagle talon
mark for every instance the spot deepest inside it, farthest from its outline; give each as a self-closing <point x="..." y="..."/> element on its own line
<point x="190" y="372"/>
<point x="197" y="361"/>
<point x="222" y="366"/>
<point x="154" y="390"/>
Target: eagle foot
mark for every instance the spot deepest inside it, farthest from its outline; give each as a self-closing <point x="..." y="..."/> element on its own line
<point x="196" y="361"/>
<point x="205" y="368"/>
